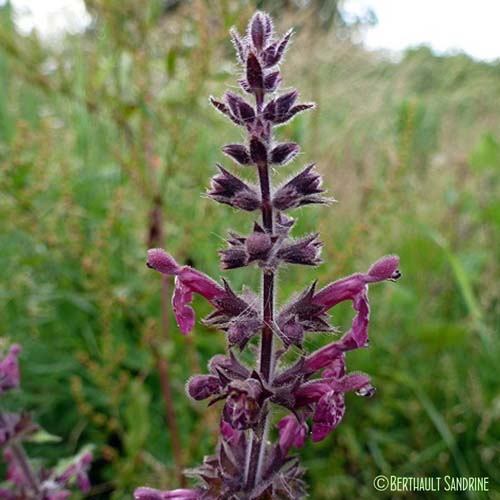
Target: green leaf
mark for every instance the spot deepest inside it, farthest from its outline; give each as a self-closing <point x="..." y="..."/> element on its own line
<point x="42" y="437"/>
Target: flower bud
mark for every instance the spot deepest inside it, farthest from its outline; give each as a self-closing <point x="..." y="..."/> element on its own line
<point x="303" y="189"/>
<point x="240" y="109"/>
<point x="228" y="189"/>
<point x="254" y="76"/>
<point x="229" y="366"/>
<point x="305" y="251"/>
<point x="201" y="387"/>
<point x="295" y="110"/>
<point x="291" y="332"/>
<point x="236" y="255"/>
<point x="272" y="81"/>
<point x="273" y="54"/>
<point x="284" y="153"/>
<point x="242" y="329"/>
<point x="222" y="108"/>
<point x="285" y="102"/>
<point x="239" y="45"/>
<point x="243" y="403"/>
<point x="260" y="30"/>
<point x="238" y="153"/>
<point x="258" y="245"/>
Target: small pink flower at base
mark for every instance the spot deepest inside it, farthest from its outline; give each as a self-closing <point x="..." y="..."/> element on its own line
<point x="292" y="433"/>
<point x="187" y="282"/>
<point x="152" y="494"/>
<point x="9" y="369"/>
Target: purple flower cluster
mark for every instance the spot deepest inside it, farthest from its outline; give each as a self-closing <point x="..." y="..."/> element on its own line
<point x="312" y="390"/>
<point x="23" y="482"/>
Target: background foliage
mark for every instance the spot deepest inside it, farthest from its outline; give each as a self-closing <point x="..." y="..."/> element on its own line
<point x="106" y="145"/>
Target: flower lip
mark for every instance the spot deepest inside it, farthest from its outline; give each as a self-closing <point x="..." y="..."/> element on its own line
<point x="292" y="433"/>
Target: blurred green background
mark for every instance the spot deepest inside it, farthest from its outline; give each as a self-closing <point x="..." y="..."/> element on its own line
<point x="107" y="143"/>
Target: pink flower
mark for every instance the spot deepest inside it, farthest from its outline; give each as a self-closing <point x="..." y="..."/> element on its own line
<point x="327" y="396"/>
<point x="292" y="433"/>
<point x="187" y="282"/>
<point x="353" y="286"/>
<point x="308" y="310"/>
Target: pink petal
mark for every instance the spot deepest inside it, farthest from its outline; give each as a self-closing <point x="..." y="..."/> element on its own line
<point x="183" y="312"/>
<point x="200" y="283"/>
<point x="385" y="268"/>
<point x="161" y="261"/>
<point x="359" y="329"/>
<point x="352" y="382"/>
<point x="328" y="415"/>
<point x="292" y="433"/>
<point x="347" y="288"/>
<point x="338" y="291"/>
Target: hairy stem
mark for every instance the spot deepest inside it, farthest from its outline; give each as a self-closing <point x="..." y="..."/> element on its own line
<point x="266" y="346"/>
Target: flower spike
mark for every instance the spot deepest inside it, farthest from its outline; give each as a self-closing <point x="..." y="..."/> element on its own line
<point x="312" y="390"/>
